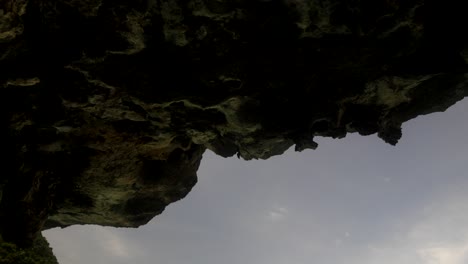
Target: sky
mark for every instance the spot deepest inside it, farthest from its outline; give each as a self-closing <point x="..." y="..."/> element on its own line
<point x="355" y="200"/>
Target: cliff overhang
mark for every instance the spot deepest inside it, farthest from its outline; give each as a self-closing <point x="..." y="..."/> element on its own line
<point x="108" y="106"/>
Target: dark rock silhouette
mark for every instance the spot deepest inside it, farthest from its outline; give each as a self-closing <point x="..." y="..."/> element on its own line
<point x="108" y="106"/>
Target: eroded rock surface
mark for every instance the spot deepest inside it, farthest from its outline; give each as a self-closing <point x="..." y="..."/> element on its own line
<point x="108" y="106"/>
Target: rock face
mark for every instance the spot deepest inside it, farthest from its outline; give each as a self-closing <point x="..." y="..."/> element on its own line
<point x="108" y="106"/>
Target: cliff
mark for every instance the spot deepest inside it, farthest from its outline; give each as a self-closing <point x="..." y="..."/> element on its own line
<point x="108" y="106"/>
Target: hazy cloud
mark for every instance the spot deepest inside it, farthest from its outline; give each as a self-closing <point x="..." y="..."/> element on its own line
<point x="112" y="243"/>
<point x="277" y="214"/>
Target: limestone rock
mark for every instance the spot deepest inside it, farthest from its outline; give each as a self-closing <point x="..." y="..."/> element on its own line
<point x="107" y="106"/>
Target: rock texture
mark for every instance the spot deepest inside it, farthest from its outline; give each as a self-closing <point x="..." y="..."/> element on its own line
<point x="108" y="106"/>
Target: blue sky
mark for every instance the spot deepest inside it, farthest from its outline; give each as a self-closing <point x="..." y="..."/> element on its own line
<point x="355" y="200"/>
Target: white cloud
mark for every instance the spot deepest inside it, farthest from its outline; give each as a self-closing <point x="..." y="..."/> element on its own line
<point x="444" y="233"/>
<point x="338" y="242"/>
<point x="112" y="243"/>
<point x="93" y="244"/>
<point x="277" y="214"/>
<point x="456" y="254"/>
<point x="437" y="234"/>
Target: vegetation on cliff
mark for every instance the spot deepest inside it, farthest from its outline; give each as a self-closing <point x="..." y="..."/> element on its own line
<point x="40" y="253"/>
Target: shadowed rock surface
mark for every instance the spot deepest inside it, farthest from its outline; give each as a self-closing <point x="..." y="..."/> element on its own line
<point x="108" y="106"/>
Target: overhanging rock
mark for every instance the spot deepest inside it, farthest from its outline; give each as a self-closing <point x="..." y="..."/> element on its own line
<point x="108" y="106"/>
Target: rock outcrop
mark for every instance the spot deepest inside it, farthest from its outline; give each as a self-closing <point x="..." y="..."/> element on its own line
<point x="108" y="106"/>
